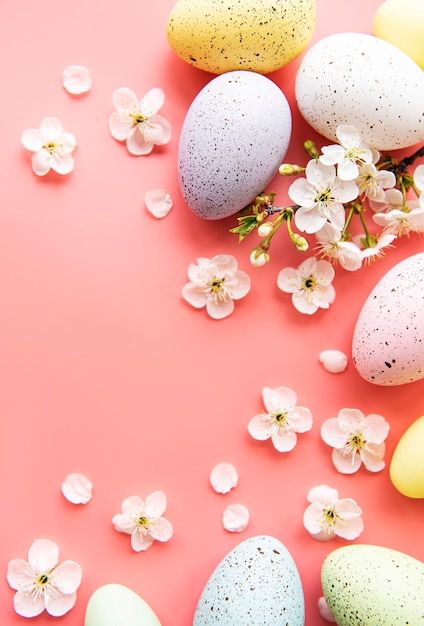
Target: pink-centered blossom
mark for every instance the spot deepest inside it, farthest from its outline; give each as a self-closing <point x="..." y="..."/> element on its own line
<point x="309" y="284"/>
<point x="137" y="121"/>
<point x="215" y="284"/>
<point x="41" y="583"/>
<point x="142" y="519"/>
<point x="356" y="439"/>
<point x="281" y="420"/>
<point x="328" y="516"/>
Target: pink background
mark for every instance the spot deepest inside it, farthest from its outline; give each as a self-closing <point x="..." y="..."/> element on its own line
<point x="105" y="370"/>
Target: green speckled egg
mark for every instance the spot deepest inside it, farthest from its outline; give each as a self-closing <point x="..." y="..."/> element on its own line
<point x="373" y="586"/>
<point x="224" y="35"/>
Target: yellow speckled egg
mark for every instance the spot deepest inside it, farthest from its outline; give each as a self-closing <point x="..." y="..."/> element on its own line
<point x="401" y="22"/>
<point x="374" y="586"/>
<point x="407" y="464"/>
<point x="224" y="35"/>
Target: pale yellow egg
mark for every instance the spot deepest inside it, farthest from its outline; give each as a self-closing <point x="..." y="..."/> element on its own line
<point x="401" y="22"/>
<point x="407" y="464"/>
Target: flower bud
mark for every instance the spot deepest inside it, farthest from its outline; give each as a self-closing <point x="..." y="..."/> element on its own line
<point x="265" y="229"/>
<point x="300" y="242"/>
<point x="311" y="149"/>
<point x="258" y="258"/>
<point x="286" y="169"/>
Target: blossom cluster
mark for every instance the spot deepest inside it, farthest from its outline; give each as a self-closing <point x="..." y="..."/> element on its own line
<point x="339" y="185"/>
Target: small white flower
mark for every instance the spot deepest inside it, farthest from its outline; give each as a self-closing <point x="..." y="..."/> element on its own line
<point x="332" y="246"/>
<point x="356" y="439"/>
<point x="281" y="420"/>
<point x="327" y="516"/>
<point x="142" y="519"/>
<point x="392" y="199"/>
<point x="373" y="182"/>
<point x="353" y="150"/>
<point x="52" y="147"/>
<point x="158" y="202"/>
<point x="137" y="122"/>
<point x="377" y="250"/>
<point x="215" y="284"/>
<point x="235" y="518"/>
<point x="402" y="222"/>
<point x="41" y="583"/>
<point x="321" y="197"/>
<point x="309" y="284"/>
<point x="76" y="79"/>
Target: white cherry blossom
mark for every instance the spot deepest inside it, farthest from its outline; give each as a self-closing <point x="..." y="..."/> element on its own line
<point x="52" y="147"/>
<point x="351" y="151"/>
<point x="309" y="284"/>
<point x="281" y="420"/>
<point x="137" y="122"/>
<point x="402" y="222"/>
<point x="332" y="245"/>
<point x="373" y="182"/>
<point x="328" y="516"/>
<point x="356" y="439"/>
<point x="321" y="197"/>
<point x="142" y="519"/>
<point x="41" y="583"/>
<point x="377" y="249"/>
<point x="215" y="284"/>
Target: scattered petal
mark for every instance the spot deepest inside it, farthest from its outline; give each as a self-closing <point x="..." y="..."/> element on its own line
<point x="235" y="518"/>
<point x="224" y="477"/>
<point x="158" y="202"/>
<point x="76" y="79"/>
<point x="333" y="361"/>
<point x="324" y="610"/>
<point x="77" y="488"/>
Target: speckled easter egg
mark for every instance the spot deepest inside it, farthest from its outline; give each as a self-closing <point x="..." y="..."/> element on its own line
<point x="117" y="605"/>
<point x="407" y="464"/>
<point x="224" y="35"/>
<point x="401" y="22"/>
<point x="359" y="79"/>
<point x="256" y="583"/>
<point x="233" y="139"/>
<point x="388" y="338"/>
<point x="373" y="585"/>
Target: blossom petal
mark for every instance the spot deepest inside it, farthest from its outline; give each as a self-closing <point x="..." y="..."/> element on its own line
<point x="137" y="144"/>
<point x="32" y="139"/>
<point x="20" y="574"/>
<point x="160" y="130"/>
<point x="67" y="576"/>
<point x="300" y="419"/>
<point x="161" y="530"/>
<point x="288" y="280"/>
<point x="27" y="604"/>
<point x="259" y="427"/>
<point x="347" y="170"/>
<point x="219" y="310"/>
<point x="419" y="177"/>
<point x="239" y="285"/>
<point x="155" y="504"/>
<point x="313" y="518"/>
<point x="351" y="420"/>
<point x="331" y="154"/>
<point x="121" y="127"/>
<point x="41" y="162"/>
<point x="152" y="102"/>
<point x="302" y="302"/>
<point x="279" y="399"/>
<point x="301" y="192"/>
<point x="140" y="542"/>
<point x="347" y="509"/>
<point x="125" y="100"/>
<point x="76" y="79"/>
<point x="332" y="434"/>
<point x="225" y="263"/>
<point x="194" y="295"/>
<point x="51" y="128"/>
<point x="346" y="463"/>
<point x="132" y="506"/>
<point x="324" y="610"/>
<point x="376" y="428"/>
<point x="62" y="163"/>
<point x="309" y="220"/>
<point x="43" y="555"/>
<point x="59" y="604"/>
<point x="373" y="456"/>
<point x="158" y="202"/>
<point x="284" y="440"/>
<point x="350" y="528"/>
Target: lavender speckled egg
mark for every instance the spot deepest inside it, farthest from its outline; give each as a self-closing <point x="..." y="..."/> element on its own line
<point x="256" y="583"/>
<point x="373" y="585"/>
<point x="233" y="139"/>
<point x="359" y="79"/>
<point x="388" y="338"/>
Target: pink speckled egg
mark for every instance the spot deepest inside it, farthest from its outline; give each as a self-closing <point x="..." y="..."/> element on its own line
<point x="388" y="339"/>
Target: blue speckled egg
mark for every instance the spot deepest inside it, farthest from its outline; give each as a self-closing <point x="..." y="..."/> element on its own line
<point x="358" y="79"/>
<point x="256" y="584"/>
<point x="366" y="585"/>
<point x="233" y="139"/>
<point x="388" y="338"/>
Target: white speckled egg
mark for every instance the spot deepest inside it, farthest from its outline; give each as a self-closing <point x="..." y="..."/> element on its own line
<point x="233" y="139"/>
<point x="224" y="35"/>
<point x="256" y="583"/>
<point x="358" y="79"/>
<point x="373" y="585"/>
<point x="388" y="338"/>
<point x="117" y="605"/>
